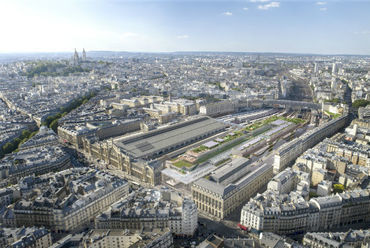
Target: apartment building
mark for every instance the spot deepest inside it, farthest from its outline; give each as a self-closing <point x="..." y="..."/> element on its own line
<point x="292" y="214"/>
<point x="220" y="198"/>
<point x="288" y="152"/>
<point x="149" y="208"/>
<point x="73" y="198"/>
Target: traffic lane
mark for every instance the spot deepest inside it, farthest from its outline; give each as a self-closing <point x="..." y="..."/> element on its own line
<point x="208" y="227"/>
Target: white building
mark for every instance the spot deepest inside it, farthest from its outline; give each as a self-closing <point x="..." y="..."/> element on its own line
<point x="324" y="188"/>
<point x="217" y="108"/>
<point x="284" y="182"/>
<point x="292" y="214"/>
<point x="148" y="208"/>
<point x="189" y="220"/>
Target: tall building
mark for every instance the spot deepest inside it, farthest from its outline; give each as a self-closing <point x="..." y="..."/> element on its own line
<point x="76" y="59"/>
<point x="189" y="217"/>
<point x="83" y="55"/>
<point x="315" y="70"/>
<point x="334" y="69"/>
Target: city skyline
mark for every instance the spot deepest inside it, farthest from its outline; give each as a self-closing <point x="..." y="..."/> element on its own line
<point x="117" y="149"/>
<point x="307" y="27"/>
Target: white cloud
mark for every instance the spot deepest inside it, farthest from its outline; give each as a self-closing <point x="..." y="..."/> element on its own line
<point x="245" y="8"/>
<point x="269" y="5"/>
<point x="227" y="13"/>
<point x="323" y="9"/>
<point x="320" y="3"/>
<point x="259" y="1"/>
<point x="184" y="36"/>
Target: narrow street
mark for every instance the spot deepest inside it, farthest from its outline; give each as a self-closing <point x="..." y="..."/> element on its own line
<point x="300" y="90"/>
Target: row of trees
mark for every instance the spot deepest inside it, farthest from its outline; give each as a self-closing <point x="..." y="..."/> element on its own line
<point x="335" y="100"/>
<point x="11" y="146"/>
<point x="360" y="103"/>
<point x="52" y="121"/>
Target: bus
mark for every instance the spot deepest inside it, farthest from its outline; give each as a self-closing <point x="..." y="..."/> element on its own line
<point x="244" y="228"/>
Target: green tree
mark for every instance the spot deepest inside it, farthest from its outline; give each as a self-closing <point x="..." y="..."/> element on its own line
<point x="26" y="133"/>
<point x="16" y="141"/>
<point x="54" y="125"/>
<point x="8" y="147"/>
<point x="360" y="103"/>
<point x="33" y="134"/>
<point x="338" y="188"/>
<point x="22" y="141"/>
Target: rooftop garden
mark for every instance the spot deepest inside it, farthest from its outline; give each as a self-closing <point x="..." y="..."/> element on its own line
<point x="190" y="161"/>
<point x="335" y="100"/>
<point x="338" y="188"/>
<point x="332" y="115"/>
<point x="181" y="163"/>
<point x="219" y="151"/>
<point x="200" y="149"/>
<point x="267" y="121"/>
<point x="229" y="141"/>
<point x="229" y="137"/>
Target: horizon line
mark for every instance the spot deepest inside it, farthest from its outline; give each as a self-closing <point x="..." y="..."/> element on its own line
<point x="186" y="51"/>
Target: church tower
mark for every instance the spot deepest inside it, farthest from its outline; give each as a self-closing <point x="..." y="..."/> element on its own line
<point x="76" y="59"/>
<point x="83" y="55"/>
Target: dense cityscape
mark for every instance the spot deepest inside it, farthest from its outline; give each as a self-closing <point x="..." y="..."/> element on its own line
<point x="185" y="150"/>
<point x="184" y="124"/>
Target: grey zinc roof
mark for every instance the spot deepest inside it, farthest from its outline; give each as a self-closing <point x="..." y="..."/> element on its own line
<point x="225" y="190"/>
<point x="152" y="142"/>
<point x="229" y="169"/>
<point x="213" y="187"/>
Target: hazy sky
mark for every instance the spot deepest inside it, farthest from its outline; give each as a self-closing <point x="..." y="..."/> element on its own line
<point x="181" y="25"/>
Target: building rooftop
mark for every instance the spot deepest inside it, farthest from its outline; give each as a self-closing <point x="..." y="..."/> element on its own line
<point x="223" y="190"/>
<point x="155" y="142"/>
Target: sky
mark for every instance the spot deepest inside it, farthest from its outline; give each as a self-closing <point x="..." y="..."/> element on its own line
<point x="300" y="26"/>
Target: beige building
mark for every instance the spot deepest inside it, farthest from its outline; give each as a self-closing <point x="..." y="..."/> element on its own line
<point x="291" y="214"/>
<point x="353" y="154"/>
<point x="219" y="200"/>
<point x="81" y="215"/>
<point x="288" y="152"/>
<point x="74" y="133"/>
<point x="364" y="123"/>
<point x="142" y="155"/>
<point x="318" y="175"/>
<point x="136" y="102"/>
<point x="110" y="153"/>
<point x="75" y="204"/>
